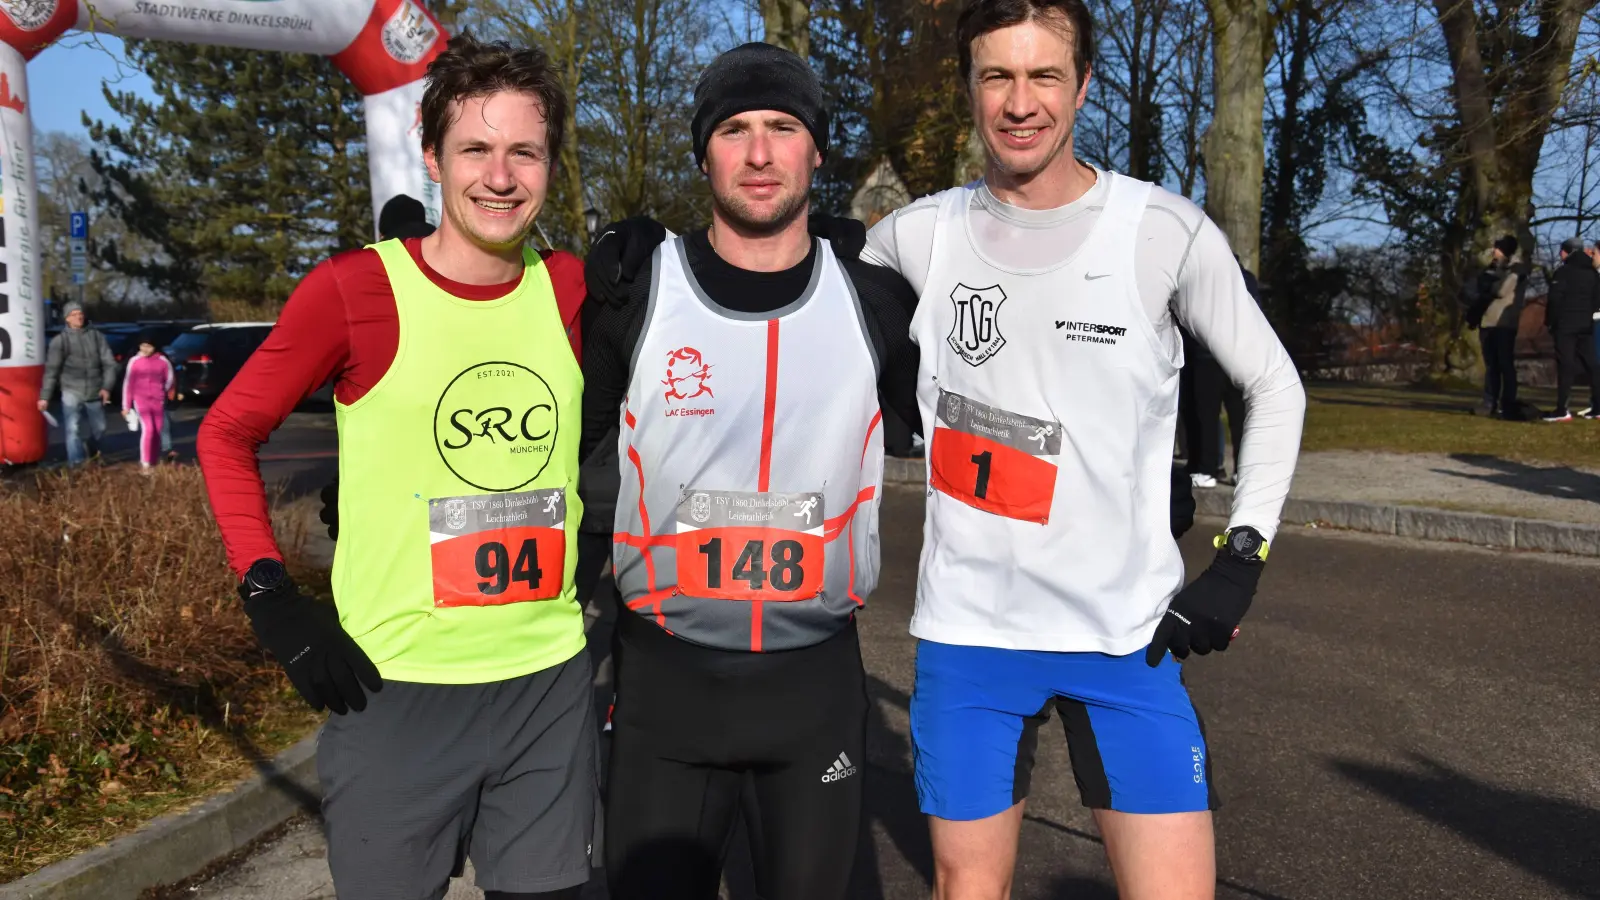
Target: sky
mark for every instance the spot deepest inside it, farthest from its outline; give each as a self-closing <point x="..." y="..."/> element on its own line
<point x="65" y="81"/>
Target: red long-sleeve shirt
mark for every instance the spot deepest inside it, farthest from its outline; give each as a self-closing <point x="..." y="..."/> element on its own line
<point x="341" y="321"/>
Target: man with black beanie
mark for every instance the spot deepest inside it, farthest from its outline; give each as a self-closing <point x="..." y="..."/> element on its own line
<point x="744" y="367"/>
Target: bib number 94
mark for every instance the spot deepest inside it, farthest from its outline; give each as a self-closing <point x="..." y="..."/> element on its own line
<point x="496" y="549"/>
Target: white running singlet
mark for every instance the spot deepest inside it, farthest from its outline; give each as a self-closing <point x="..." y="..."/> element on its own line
<point x="1049" y="406"/>
<point x="752" y="463"/>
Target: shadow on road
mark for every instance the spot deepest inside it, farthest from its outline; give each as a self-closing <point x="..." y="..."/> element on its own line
<point x="890" y="798"/>
<point x="1545" y="836"/>
<point x="1563" y="482"/>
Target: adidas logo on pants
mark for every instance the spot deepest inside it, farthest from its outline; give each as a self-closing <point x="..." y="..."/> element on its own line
<point x="841" y="769"/>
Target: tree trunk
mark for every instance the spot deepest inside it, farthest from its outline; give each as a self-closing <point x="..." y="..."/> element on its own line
<point x="1241" y="38"/>
<point x="1504" y="117"/>
<point x="788" y="24"/>
<point x="571" y="170"/>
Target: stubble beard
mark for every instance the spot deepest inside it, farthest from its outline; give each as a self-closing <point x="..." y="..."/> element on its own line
<point x="737" y="213"/>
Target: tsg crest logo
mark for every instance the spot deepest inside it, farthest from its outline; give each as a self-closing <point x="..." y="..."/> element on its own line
<point x="496" y="426"/>
<point x="975" y="335"/>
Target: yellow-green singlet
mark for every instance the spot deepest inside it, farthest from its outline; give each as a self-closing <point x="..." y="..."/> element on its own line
<point x="458" y="501"/>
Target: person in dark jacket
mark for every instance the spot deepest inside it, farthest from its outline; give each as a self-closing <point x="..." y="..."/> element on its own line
<point x="1499" y="297"/>
<point x="81" y="364"/>
<point x="1574" y="291"/>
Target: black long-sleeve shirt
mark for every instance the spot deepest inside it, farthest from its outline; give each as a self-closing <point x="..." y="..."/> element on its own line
<point x="611" y="331"/>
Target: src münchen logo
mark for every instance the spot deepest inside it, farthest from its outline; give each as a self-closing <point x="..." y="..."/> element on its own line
<point x="975" y="333"/>
<point x="688" y="375"/>
<point x="495" y="425"/>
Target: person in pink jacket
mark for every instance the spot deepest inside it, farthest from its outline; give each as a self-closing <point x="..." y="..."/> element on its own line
<point x="145" y="388"/>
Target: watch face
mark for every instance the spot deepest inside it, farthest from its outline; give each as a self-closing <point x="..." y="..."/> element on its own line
<point x="1244" y="543"/>
<point x="266" y="574"/>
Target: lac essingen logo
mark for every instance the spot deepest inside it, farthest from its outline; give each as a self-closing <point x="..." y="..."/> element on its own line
<point x="688" y="378"/>
<point x="408" y="34"/>
<point x="29" y="15"/>
<point x="495" y="426"/>
<point x="975" y="334"/>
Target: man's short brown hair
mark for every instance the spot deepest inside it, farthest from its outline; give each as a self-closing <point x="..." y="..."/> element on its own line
<point x="981" y="17"/>
<point x="472" y="68"/>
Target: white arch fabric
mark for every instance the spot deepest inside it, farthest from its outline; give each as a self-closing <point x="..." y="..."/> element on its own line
<point x="383" y="46"/>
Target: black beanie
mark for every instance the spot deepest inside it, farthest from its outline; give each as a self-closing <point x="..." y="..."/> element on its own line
<point x="758" y="76"/>
<point x="403" y="216"/>
<point x="1506" y="244"/>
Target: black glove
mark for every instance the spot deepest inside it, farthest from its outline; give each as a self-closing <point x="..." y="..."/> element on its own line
<point x="330" y="508"/>
<point x="323" y="663"/>
<point x="1205" y="614"/>
<point x="1183" y="505"/>
<point x="617" y="255"/>
<point x="848" y="236"/>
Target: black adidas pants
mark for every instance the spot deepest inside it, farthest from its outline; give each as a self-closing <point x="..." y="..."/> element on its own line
<point x="693" y="724"/>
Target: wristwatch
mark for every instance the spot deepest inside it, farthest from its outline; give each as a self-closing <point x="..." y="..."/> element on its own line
<point x="1243" y="543"/>
<point x="265" y="575"/>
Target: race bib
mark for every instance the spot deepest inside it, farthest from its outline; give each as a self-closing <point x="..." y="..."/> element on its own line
<point x="493" y="549"/>
<point x="744" y="545"/>
<point x="994" y="460"/>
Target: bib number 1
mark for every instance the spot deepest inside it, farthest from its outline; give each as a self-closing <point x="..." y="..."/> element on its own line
<point x="740" y="545"/>
<point x="994" y="460"/>
<point x="494" y="549"/>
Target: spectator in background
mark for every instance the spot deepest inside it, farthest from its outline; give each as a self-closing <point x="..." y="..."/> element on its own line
<point x="1574" y="287"/>
<point x="403" y="217"/>
<point x="145" y="388"/>
<point x="1499" y="297"/>
<point x="81" y="363"/>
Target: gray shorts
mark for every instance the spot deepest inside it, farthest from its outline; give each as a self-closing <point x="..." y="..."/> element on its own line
<point x="504" y="773"/>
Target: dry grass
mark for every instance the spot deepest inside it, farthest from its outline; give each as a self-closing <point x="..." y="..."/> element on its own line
<point x="130" y="681"/>
<point x="1420" y="420"/>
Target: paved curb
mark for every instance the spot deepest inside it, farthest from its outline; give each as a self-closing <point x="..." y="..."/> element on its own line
<point x="1377" y="518"/>
<point x="174" y="847"/>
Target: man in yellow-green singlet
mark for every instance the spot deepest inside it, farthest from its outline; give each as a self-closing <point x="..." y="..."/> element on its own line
<point x="453" y="660"/>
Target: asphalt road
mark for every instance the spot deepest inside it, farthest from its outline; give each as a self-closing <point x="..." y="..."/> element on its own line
<point x="1398" y="720"/>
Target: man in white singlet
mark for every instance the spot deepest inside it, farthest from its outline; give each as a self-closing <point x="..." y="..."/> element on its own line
<point x="1050" y="295"/>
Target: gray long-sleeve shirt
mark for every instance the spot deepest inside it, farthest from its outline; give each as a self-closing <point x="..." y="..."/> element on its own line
<point x="78" y="360"/>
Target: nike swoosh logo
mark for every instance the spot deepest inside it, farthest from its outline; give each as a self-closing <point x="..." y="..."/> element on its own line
<point x="1088" y="277"/>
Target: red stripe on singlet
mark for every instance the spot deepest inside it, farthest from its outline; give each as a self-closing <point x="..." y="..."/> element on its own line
<point x="654" y="597"/>
<point x="769" y="411"/>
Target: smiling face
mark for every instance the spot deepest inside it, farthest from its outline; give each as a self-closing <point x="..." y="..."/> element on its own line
<point x="760" y="165"/>
<point x="1026" y="95"/>
<point x="493" y="168"/>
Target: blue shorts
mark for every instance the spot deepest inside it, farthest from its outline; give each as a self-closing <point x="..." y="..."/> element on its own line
<point x="1136" y="742"/>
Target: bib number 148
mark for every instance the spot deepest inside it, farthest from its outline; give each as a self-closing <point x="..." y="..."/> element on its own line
<point x="756" y="565"/>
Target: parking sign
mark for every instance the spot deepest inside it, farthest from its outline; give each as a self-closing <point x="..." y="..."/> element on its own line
<point x="80" y="225"/>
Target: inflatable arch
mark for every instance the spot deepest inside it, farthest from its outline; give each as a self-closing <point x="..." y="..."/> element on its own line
<point x="383" y="46"/>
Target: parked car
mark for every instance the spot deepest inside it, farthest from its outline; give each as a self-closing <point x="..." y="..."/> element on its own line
<point x="206" y="357"/>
